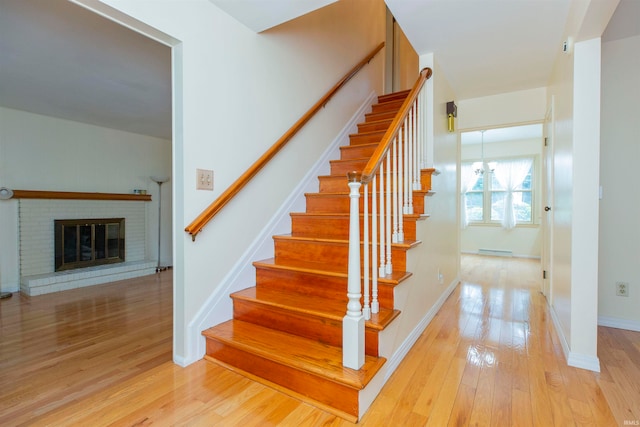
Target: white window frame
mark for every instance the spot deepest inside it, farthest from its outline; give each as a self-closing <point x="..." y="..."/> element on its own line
<point x="487" y="191"/>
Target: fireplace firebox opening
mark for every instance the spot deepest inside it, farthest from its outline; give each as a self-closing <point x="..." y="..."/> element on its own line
<point x="83" y="243"/>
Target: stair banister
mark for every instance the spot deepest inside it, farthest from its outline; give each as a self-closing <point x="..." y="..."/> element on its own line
<point x="207" y="215"/>
<point x="378" y="156"/>
<point x="353" y="322"/>
<point x="394" y="167"/>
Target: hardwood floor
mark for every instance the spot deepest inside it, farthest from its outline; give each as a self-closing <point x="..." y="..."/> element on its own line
<point x="102" y="356"/>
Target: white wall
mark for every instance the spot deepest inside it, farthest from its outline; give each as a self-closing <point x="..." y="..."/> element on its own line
<point x="420" y="297"/>
<point x="501" y="110"/>
<point x="574" y="89"/>
<point x="237" y="93"/>
<point x="442" y="225"/>
<point x="561" y="89"/>
<point x="406" y="61"/>
<point x="620" y="150"/>
<point x="525" y="239"/>
<point x="45" y="153"/>
<point x="585" y="203"/>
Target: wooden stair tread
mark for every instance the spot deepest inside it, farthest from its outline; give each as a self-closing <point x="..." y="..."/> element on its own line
<point x="325" y="270"/>
<point x="287" y="329"/>
<point x="339" y="215"/>
<point x="359" y="146"/>
<point x="407" y="244"/>
<point x="319" y="307"/>
<point x="294" y="351"/>
<point x="370" y="133"/>
<point x="372" y="122"/>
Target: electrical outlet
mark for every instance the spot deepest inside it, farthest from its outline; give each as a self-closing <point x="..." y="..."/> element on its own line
<point x="204" y="179"/>
<point x="622" y="289"/>
<point x="440" y="277"/>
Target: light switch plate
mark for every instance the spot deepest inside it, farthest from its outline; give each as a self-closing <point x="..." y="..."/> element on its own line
<point x="204" y="179"/>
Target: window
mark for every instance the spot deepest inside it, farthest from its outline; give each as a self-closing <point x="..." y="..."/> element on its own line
<point x="503" y="194"/>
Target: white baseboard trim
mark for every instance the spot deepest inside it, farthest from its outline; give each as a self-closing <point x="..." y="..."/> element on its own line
<point x="583" y="361"/>
<point x="559" y="331"/>
<point x="512" y="255"/>
<point x="218" y="307"/>
<point x="180" y="361"/>
<point x="10" y="287"/>
<point x="405" y="347"/>
<point x="615" y="322"/>
<point x="577" y="360"/>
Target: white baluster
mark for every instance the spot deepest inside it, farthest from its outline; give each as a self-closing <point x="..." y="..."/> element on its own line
<point x="366" y="310"/>
<point x="382" y="234"/>
<point x="353" y="321"/>
<point x="411" y="166"/>
<point x="423" y="127"/>
<point x="416" y="173"/>
<point x="399" y="200"/>
<point x="388" y="269"/>
<point x="394" y="192"/>
<point x="375" y="306"/>
<point x="405" y="170"/>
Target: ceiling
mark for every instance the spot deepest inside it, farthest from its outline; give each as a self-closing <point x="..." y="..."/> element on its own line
<point x="61" y="60"/>
<point x="486" y="47"/>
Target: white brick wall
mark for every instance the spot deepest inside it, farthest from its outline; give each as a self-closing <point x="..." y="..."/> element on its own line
<point x="36" y="233"/>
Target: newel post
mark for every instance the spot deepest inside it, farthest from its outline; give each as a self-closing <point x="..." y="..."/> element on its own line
<point x="353" y="322"/>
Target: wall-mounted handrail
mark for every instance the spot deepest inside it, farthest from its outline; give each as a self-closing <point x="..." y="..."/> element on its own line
<point x="196" y="226"/>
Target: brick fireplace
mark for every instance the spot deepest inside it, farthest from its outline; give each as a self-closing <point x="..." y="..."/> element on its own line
<point x="37" y="229"/>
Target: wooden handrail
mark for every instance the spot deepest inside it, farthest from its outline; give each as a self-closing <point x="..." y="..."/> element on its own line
<point x="378" y="155"/>
<point x="196" y="226"/>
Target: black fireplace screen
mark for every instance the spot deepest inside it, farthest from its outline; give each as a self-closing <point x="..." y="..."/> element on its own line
<point x="87" y="242"/>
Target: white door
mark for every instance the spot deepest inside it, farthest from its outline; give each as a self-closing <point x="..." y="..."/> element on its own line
<point x="547" y="205"/>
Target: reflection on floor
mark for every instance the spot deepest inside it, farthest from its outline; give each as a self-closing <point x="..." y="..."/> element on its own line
<point x="489" y="357"/>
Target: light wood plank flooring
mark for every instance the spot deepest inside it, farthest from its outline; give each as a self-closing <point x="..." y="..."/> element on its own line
<point x="101" y="356"/>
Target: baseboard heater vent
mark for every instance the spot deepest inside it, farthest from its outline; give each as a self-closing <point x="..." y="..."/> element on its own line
<point x="495" y="252"/>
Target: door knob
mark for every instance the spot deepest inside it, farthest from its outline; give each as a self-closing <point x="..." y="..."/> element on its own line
<point x="547" y="208"/>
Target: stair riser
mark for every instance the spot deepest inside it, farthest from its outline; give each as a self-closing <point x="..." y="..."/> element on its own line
<point x="343" y="167"/>
<point x="366" y="138"/>
<point x="350" y="152"/>
<point x="339" y="184"/>
<point x="341" y="203"/>
<point x="425" y="179"/>
<point x="393" y="96"/>
<point x="325" y="330"/>
<point x="373" y="126"/>
<point x="335" y="253"/>
<point x="374" y="117"/>
<point x="337" y="228"/>
<point x="393" y="105"/>
<point x="315" y="285"/>
<point x="320" y="389"/>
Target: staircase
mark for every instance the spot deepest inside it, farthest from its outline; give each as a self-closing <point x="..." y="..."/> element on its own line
<point x="287" y="330"/>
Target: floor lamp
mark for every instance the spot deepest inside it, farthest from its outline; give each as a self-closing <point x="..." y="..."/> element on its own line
<point x="5" y="194"/>
<point x="159" y="180"/>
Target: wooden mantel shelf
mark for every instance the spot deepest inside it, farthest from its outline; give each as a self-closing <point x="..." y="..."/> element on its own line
<point x="74" y="195"/>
